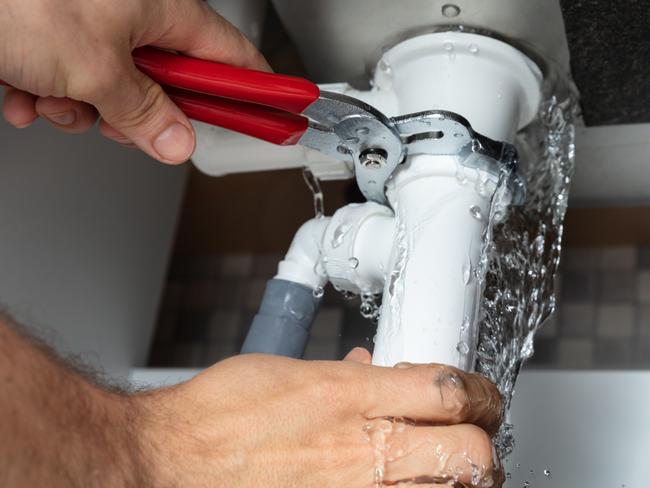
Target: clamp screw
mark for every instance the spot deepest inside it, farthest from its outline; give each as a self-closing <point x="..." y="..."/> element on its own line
<point x="373" y="158"/>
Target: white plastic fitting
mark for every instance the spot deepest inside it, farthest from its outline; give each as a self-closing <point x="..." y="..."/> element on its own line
<point x="351" y="249"/>
<point x="490" y="83"/>
<point x="301" y="263"/>
<point x="356" y="247"/>
<point x="429" y="301"/>
<point x="431" y="296"/>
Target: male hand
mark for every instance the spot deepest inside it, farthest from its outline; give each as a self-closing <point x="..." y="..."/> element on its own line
<point x="269" y="421"/>
<point x="248" y="421"/>
<point x="70" y="61"/>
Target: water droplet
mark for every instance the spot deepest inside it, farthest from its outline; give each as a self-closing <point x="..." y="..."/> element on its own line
<point x="299" y="314"/>
<point x="384" y="66"/>
<point x="461" y="177"/>
<point x="547" y="473"/>
<point x="347" y="295"/>
<point x="475" y="211"/>
<point x="319" y="268"/>
<point x="465" y="324"/>
<point x="467" y="272"/>
<point x="339" y="235"/>
<point x="450" y="10"/>
<point x="352" y="140"/>
<point x="318" y="292"/>
<point x="462" y="347"/>
<point x="313" y="184"/>
<point x="473" y="48"/>
<point x="538" y="245"/>
<point x="370" y="307"/>
<point x="353" y="262"/>
<point x="448" y="46"/>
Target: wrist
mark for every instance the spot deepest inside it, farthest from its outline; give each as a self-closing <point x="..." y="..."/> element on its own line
<point x="103" y="449"/>
<point x="176" y="445"/>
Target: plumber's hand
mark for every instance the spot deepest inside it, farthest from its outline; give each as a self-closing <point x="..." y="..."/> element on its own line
<point x="75" y="57"/>
<point x="268" y="421"/>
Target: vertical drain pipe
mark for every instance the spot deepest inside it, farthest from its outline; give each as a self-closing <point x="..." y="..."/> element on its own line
<point x="429" y="299"/>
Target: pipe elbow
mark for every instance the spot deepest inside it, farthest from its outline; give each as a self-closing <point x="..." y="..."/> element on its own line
<point x="301" y="263"/>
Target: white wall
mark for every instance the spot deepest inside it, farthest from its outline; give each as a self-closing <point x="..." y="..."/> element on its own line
<point x="612" y="166"/>
<point x="86" y="229"/>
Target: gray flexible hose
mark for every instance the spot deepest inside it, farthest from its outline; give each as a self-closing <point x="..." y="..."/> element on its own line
<point x="284" y="320"/>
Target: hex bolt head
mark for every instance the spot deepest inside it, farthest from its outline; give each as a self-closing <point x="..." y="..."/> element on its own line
<point x="373" y="158"/>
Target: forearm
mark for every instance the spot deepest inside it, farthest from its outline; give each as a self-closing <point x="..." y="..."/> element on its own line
<point x="56" y="428"/>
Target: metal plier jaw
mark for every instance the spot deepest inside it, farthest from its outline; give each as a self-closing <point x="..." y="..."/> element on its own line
<point x="346" y="128"/>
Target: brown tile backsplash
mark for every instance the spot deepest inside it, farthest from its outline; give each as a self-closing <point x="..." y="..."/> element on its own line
<point x="602" y="319"/>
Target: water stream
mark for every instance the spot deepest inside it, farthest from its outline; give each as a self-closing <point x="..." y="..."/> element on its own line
<point x="521" y="252"/>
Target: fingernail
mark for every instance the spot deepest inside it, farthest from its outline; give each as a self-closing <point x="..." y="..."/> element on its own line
<point x="403" y="365"/>
<point x="175" y="143"/>
<point x="63" y="118"/>
<point x="24" y="125"/>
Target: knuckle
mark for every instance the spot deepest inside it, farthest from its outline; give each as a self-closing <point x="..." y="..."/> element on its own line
<point x="337" y="451"/>
<point x="144" y="111"/>
<point x="451" y="388"/>
<point x="479" y="444"/>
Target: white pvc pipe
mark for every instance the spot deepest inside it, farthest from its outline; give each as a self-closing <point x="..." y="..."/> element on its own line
<point x="357" y="245"/>
<point x="300" y="265"/>
<point x="430" y="297"/>
<point x="490" y="83"/>
<point x="429" y="301"/>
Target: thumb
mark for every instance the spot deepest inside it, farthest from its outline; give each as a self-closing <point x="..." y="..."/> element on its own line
<point x="359" y="355"/>
<point x="141" y="112"/>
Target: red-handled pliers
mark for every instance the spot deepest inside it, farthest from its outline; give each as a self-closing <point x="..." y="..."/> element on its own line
<point x="288" y="110"/>
<point x="280" y="109"/>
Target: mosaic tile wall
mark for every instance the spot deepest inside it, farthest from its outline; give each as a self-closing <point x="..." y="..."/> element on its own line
<point x="602" y="321"/>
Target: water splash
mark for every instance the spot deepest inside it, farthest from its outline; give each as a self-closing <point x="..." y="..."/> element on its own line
<point x="396" y="276"/>
<point x="318" y="292"/>
<point x="313" y="183"/>
<point x="370" y="306"/>
<point x="389" y="438"/>
<point x="521" y="252"/>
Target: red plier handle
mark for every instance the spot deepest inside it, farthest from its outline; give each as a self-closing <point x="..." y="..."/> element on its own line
<point x="263" y="105"/>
